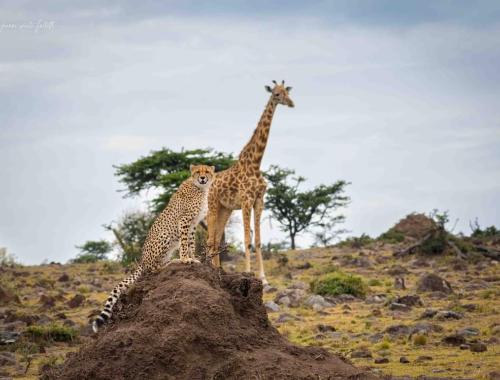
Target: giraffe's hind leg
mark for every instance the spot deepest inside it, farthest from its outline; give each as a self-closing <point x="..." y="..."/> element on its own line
<point x="257" y="212"/>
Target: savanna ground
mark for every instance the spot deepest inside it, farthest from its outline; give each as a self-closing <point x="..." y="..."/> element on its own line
<point x="50" y="306"/>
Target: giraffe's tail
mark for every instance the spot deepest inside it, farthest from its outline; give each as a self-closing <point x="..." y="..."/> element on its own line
<point x="113" y="298"/>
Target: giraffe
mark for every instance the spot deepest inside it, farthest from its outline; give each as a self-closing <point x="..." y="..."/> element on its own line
<point x="242" y="186"/>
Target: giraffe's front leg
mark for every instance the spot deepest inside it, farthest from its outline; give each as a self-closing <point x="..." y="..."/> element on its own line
<point x="247" y="212"/>
<point x="257" y="212"/>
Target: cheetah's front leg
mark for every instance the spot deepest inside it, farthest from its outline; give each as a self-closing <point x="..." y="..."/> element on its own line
<point x="186" y="250"/>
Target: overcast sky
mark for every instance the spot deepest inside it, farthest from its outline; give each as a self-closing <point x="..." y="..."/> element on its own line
<point x="401" y="98"/>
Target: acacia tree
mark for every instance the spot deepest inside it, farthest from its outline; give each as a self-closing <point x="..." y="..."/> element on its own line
<point x="92" y="251"/>
<point x="130" y="233"/>
<point x="300" y="211"/>
<point x="164" y="170"/>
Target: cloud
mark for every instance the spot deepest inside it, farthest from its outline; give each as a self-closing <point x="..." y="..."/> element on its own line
<point x="406" y="111"/>
<point x="127" y="143"/>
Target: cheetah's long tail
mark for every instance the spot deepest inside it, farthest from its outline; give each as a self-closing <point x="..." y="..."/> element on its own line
<point x="114" y="296"/>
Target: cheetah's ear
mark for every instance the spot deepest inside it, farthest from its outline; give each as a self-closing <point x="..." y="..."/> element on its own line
<point x="192" y="168"/>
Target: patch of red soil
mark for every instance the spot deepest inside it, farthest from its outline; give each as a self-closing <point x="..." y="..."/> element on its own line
<point x="194" y="322"/>
<point x="415" y="226"/>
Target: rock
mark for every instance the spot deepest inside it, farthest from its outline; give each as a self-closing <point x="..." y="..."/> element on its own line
<point x="376" y="312"/>
<point x="419" y="263"/>
<point x="76" y="301"/>
<point x="424" y="358"/>
<point x="361" y="262"/>
<point x="342" y="298"/>
<point x="410" y="300"/>
<point x="64" y="278"/>
<point x="285" y="301"/>
<point x="397" y="270"/>
<point x="433" y="283"/>
<point x="495" y="375"/>
<point x="290" y="297"/>
<point x="404" y="360"/>
<point x="448" y="314"/>
<point x="7" y="358"/>
<point x="375" y="338"/>
<point x="469" y="307"/>
<point x="468" y="332"/>
<point x="361" y="353"/>
<point x="317" y="302"/>
<point x="428" y="313"/>
<point x="399" y="307"/>
<point x="299" y="285"/>
<point x="425" y="328"/>
<point x="269" y="289"/>
<point x="15" y="326"/>
<point x="381" y="360"/>
<point x="478" y="347"/>
<point x="398" y="330"/>
<point x="376" y="298"/>
<point x="272" y="306"/>
<point x="465" y="347"/>
<point x="454" y="340"/>
<point x="325" y="328"/>
<point x="47" y="302"/>
<point x="285" y="317"/>
<point x="306" y="265"/>
<point x="9" y="337"/>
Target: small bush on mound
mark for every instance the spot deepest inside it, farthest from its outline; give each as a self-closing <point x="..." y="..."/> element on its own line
<point x="434" y="246"/>
<point x="392" y="236"/>
<point x="334" y="284"/>
<point x="51" y="333"/>
<point x="356" y="241"/>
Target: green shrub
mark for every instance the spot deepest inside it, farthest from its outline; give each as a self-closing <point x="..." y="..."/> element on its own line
<point x="334" y="284"/>
<point x="392" y="236"/>
<point x="53" y="332"/>
<point x="434" y="245"/>
<point x="419" y="340"/>
<point x="374" y="282"/>
<point x="356" y="241"/>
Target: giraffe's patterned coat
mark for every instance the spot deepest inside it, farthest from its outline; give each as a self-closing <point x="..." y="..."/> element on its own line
<point x="242" y="186"/>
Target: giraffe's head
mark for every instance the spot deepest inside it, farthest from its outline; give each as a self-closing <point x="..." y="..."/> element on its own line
<point x="280" y="94"/>
<point x="202" y="175"/>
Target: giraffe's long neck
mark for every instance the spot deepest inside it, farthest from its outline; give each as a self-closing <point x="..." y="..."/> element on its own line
<point x="253" y="151"/>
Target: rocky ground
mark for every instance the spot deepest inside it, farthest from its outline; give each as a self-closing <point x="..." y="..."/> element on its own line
<point x="434" y="316"/>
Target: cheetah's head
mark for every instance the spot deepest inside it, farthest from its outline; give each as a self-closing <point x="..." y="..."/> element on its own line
<point x="202" y="175"/>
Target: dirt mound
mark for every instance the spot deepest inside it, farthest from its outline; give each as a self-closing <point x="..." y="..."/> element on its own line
<point x="192" y="322"/>
<point x="415" y="226"/>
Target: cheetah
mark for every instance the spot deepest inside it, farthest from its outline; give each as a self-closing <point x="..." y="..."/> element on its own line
<point x="173" y="229"/>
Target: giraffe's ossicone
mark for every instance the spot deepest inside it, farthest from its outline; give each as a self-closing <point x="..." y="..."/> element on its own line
<point x="242" y="186"/>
